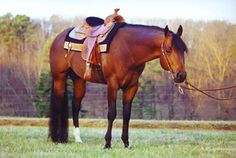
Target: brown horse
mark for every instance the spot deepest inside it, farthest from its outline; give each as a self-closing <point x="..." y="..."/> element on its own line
<point x="130" y="49"/>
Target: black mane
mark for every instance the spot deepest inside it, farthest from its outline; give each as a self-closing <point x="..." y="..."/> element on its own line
<point x="146" y="26"/>
<point x="177" y="41"/>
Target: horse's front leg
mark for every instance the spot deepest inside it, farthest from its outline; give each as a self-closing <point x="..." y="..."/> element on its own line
<point x="79" y="91"/>
<point x="128" y="96"/>
<point x="112" y="94"/>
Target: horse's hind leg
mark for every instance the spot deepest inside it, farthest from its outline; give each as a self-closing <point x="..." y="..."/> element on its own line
<point x="112" y="94"/>
<point x="79" y="91"/>
<point x="59" y="110"/>
<point x="128" y="96"/>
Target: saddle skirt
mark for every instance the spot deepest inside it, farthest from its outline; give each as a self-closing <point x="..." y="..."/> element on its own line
<point x="90" y="37"/>
<point x="82" y="40"/>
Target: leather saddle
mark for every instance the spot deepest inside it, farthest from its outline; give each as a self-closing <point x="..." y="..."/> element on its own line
<point x="93" y="31"/>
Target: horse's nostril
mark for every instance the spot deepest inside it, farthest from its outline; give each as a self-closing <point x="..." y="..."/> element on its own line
<point x="180" y="76"/>
<point x="183" y="75"/>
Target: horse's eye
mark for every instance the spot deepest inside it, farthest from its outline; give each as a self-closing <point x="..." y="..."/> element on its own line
<point x="168" y="50"/>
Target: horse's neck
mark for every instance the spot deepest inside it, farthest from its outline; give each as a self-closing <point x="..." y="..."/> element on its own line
<point x="146" y="44"/>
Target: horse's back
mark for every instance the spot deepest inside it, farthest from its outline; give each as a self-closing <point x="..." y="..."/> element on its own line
<point x="58" y="42"/>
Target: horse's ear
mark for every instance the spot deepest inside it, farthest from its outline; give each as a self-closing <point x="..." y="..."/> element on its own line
<point x="180" y="30"/>
<point x="166" y="30"/>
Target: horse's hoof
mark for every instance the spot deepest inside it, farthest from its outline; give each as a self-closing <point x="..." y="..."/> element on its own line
<point x="128" y="146"/>
<point x="78" y="140"/>
<point x="107" y="146"/>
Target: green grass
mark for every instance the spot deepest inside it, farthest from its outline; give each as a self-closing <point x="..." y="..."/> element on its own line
<point x="25" y="142"/>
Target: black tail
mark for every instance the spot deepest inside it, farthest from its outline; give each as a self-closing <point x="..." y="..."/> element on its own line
<point x="58" y="124"/>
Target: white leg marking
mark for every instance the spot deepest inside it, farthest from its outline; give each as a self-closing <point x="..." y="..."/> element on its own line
<point x="77" y="135"/>
<point x="130" y="146"/>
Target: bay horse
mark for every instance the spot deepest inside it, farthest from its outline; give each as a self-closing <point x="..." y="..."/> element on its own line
<point x="130" y="49"/>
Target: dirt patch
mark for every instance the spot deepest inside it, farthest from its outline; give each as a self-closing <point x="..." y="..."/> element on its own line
<point x="149" y="124"/>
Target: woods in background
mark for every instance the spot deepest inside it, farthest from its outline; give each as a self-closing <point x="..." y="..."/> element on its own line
<point x="210" y="63"/>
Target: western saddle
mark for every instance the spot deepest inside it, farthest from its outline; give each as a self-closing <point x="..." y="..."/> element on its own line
<point x="94" y="30"/>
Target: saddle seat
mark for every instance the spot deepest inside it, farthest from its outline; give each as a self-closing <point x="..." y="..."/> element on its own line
<point x="94" y="21"/>
<point x="92" y="27"/>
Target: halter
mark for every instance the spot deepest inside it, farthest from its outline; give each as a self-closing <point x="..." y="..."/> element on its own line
<point x="191" y="86"/>
<point x="163" y="51"/>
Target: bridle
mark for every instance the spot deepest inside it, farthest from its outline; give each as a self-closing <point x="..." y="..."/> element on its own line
<point x="164" y="53"/>
<point x="189" y="86"/>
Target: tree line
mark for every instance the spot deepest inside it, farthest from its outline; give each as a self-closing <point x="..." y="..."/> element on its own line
<point x="210" y="63"/>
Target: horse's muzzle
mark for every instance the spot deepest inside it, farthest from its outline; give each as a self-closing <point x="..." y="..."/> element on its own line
<point x="180" y="77"/>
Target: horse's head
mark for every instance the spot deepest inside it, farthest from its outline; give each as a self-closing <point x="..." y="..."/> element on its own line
<point x="172" y="58"/>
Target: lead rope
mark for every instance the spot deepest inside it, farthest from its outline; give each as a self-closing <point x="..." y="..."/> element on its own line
<point x="194" y="88"/>
<point x="209" y="90"/>
<point x="203" y="91"/>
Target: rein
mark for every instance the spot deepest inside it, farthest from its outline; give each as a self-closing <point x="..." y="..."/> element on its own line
<point x="190" y="86"/>
<point x="194" y="88"/>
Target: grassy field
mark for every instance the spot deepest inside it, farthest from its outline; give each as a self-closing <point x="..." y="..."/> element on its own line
<point x="150" y="124"/>
<point x="31" y="141"/>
